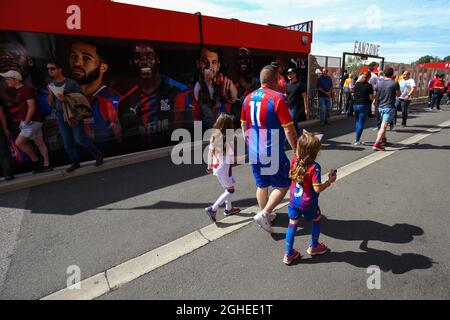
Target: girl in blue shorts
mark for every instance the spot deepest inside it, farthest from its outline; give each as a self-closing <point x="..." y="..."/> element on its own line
<point x="305" y="188"/>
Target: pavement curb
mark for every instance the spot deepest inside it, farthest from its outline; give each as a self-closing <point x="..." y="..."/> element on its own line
<point x="89" y="289"/>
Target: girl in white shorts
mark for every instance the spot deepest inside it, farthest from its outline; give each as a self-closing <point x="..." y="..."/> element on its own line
<point x="220" y="158"/>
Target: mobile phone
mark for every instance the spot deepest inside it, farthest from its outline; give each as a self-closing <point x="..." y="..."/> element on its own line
<point x="334" y="172"/>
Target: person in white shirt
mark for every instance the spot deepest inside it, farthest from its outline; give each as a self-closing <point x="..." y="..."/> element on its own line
<point x="407" y="88"/>
<point x="380" y="77"/>
<point x="220" y="158"/>
<point x="373" y="81"/>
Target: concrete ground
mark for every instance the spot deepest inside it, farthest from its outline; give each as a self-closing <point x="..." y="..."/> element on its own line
<point x="393" y="214"/>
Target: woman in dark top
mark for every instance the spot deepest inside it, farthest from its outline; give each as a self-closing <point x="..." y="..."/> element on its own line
<point x="362" y="100"/>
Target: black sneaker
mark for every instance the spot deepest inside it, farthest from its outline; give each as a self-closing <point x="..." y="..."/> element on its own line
<point x="233" y="210"/>
<point x="42" y="169"/>
<point x="99" y="161"/>
<point x="211" y="214"/>
<point x="74" y="166"/>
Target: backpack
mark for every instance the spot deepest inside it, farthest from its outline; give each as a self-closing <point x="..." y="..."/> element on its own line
<point x="41" y="100"/>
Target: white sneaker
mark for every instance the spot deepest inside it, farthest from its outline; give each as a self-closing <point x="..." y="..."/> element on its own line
<point x="263" y="221"/>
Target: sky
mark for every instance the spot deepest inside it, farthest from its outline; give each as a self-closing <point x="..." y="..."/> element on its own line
<point x="404" y="29"/>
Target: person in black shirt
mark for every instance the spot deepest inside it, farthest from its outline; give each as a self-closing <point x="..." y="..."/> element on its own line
<point x="297" y="98"/>
<point x="362" y="101"/>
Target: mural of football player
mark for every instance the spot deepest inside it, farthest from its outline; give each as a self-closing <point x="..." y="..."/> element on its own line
<point x="281" y="68"/>
<point x="88" y="66"/>
<point x="247" y="82"/>
<point x="209" y="58"/>
<point x="153" y="106"/>
<point x="14" y="56"/>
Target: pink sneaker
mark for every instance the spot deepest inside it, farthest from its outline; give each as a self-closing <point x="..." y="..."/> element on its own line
<point x="378" y="147"/>
<point x="320" y="249"/>
<point x="289" y="259"/>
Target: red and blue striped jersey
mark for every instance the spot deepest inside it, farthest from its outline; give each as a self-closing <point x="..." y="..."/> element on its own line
<point x="265" y="115"/>
<point x="105" y="111"/>
<point x="303" y="196"/>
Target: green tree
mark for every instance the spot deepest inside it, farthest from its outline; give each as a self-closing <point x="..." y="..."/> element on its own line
<point x="373" y="64"/>
<point x="354" y="64"/>
<point x="428" y="59"/>
<point x="446" y="59"/>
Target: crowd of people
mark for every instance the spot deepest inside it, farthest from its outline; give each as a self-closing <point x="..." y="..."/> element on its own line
<point x="83" y="111"/>
<point x="66" y="97"/>
<point x="270" y="112"/>
<point x="267" y="112"/>
<point x="366" y="95"/>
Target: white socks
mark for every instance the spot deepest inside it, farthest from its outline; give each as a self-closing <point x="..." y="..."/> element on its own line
<point x="223" y="198"/>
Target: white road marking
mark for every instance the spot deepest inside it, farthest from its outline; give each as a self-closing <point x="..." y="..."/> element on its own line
<point x="130" y="270"/>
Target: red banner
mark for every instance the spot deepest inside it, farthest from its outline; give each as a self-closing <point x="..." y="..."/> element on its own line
<point x="436" y="65"/>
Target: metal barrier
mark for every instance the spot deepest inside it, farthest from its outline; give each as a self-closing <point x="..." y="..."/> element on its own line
<point x="302" y="27"/>
<point x="314" y="103"/>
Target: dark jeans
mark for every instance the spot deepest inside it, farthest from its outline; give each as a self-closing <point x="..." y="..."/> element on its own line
<point x="436" y="98"/>
<point x="74" y="137"/>
<point x="208" y="116"/>
<point x="325" y="104"/>
<point x="361" y="113"/>
<point x="379" y="120"/>
<point x="297" y="115"/>
<point x="4" y="156"/>
<point x="349" y="103"/>
<point x="402" y="105"/>
<point x="430" y="97"/>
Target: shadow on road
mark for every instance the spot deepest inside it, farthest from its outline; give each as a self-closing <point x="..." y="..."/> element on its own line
<point x="363" y="230"/>
<point x="243" y="203"/>
<point x="387" y="261"/>
<point x="354" y="230"/>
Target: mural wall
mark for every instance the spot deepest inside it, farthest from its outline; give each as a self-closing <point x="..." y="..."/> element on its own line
<point x="139" y="91"/>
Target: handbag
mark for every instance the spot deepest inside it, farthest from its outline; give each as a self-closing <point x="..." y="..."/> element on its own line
<point x="17" y="155"/>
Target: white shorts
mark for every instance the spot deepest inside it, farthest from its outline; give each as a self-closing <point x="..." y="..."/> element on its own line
<point x="31" y="130"/>
<point x="226" y="182"/>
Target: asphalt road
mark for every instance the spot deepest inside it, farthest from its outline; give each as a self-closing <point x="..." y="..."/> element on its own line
<point x="393" y="214"/>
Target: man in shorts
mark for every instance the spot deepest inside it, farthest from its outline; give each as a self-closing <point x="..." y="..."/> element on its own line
<point x="30" y="121"/>
<point x="266" y="124"/>
<point x="387" y="91"/>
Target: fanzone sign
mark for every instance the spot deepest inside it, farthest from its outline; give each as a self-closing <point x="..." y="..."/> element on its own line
<point x="366" y="48"/>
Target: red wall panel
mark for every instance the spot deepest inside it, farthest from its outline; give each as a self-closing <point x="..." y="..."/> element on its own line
<point x="108" y="19"/>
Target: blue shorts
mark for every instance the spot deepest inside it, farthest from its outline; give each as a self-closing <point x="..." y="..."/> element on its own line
<point x="387" y="114"/>
<point x="278" y="180"/>
<point x="308" y="215"/>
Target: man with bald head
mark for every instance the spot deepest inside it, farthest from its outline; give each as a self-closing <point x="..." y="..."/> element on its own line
<point x="266" y="123"/>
